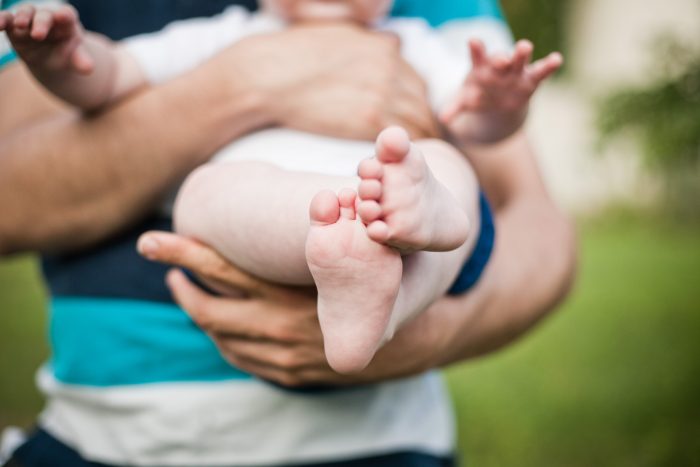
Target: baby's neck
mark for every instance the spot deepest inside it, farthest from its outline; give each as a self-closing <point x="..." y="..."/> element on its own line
<point x="319" y="21"/>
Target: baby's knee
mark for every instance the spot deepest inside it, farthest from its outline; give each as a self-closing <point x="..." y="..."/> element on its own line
<point x="440" y="148"/>
<point x="448" y="157"/>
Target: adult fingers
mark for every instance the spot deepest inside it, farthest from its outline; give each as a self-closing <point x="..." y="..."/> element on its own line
<point x="215" y="314"/>
<point x="410" y="106"/>
<point x="247" y="318"/>
<point x="290" y="378"/>
<point x="282" y="356"/>
<point x="415" y="117"/>
<point x="169" y="248"/>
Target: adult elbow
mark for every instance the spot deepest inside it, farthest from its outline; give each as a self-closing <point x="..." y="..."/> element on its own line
<point x="564" y="264"/>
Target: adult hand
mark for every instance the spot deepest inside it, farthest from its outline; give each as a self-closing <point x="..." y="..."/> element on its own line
<point x="338" y="79"/>
<point x="273" y="332"/>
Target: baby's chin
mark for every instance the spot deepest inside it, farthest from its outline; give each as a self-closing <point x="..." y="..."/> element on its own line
<point x="326" y="12"/>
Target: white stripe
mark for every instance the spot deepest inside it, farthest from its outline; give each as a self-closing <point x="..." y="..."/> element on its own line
<point x="5" y="48"/>
<point x="494" y="33"/>
<point x="10" y="439"/>
<point x="247" y="423"/>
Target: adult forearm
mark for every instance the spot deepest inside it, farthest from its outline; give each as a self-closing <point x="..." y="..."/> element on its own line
<point x="531" y="271"/>
<point x="531" y="268"/>
<point x="68" y="181"/>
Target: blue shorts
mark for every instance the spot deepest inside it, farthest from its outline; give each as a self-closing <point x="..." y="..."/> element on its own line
<point x="43" y="450"/>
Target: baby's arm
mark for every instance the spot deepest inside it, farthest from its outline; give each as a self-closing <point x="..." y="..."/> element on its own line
<point x="492" y="104"/>
<point x="82" y="68"/>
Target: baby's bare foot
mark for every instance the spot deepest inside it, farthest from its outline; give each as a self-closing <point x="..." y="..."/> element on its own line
<point x="402" y="202"/>
<point x="357" y="280"/>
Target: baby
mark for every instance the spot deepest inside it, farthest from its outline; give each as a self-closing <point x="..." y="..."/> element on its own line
<point x="287" y="206"/>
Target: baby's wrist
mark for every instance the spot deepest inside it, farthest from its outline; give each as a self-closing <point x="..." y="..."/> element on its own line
<point x="496" y="127"/>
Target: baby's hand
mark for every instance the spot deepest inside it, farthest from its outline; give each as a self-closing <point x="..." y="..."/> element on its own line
<point x="493" y="101"/>
<point x="47" y="39"/>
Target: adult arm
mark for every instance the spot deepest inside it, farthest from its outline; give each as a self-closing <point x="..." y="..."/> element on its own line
<point x="274" y="332"/>
<point x="68" y="181"/>
<point x="532" y="267"/>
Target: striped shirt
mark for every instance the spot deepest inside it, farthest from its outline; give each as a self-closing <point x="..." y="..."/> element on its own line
<point x="132" y="380"/>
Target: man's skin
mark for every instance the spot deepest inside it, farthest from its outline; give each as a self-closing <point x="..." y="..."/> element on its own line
<point x="67" y="182"/>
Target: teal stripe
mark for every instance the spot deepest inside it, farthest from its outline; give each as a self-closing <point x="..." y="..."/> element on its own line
<point x="7" y="59"/>
<point x="106" y="342"/>
<point x="5" y="4"/>
<point x="438" y="12"/>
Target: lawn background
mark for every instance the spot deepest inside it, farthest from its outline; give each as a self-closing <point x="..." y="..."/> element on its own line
<point x="612" y="379"/>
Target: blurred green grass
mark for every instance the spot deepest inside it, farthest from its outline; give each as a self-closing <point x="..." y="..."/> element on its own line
<point x="613" y="379"/>
<point x="23" y="344"/>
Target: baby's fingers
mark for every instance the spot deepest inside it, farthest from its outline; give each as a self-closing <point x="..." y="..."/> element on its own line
<point x="65" y="20"/>
<point x="545" y="67"/>
<point x="477" y="51"/>
<point x="5" y="20"/>
<point x="41" y="26"/>
<point x="468" y="99"/>
<point x="23" y="17"/>
<point x="522" y="55"/>
<point x="501" y="63"/>
<point x="21" y="23"/>
<point x="451" y="111"/>
<point x="82" y="61"/>
<point x="65" y="15"/>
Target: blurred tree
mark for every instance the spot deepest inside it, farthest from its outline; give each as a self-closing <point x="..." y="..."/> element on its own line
<point x="541" y="21"/>
<point x="666" y="117"/>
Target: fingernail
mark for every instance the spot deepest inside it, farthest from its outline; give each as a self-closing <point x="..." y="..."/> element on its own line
<point x="148" y="247"/>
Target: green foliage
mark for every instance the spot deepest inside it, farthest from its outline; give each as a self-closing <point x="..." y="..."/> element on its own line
<point x="613" y="378"/>
<point x="541" y="21"/>
<point x="666" y="114"/>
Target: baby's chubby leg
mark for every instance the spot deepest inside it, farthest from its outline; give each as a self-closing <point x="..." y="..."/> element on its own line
<point x="285" y="226"/>
<point x="291" y="227"/>
<point x="414" y="197"/>
<point x="255" y="214"/>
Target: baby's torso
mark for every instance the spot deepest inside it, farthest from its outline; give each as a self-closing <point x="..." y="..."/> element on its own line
<point x="298" y="151"/>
